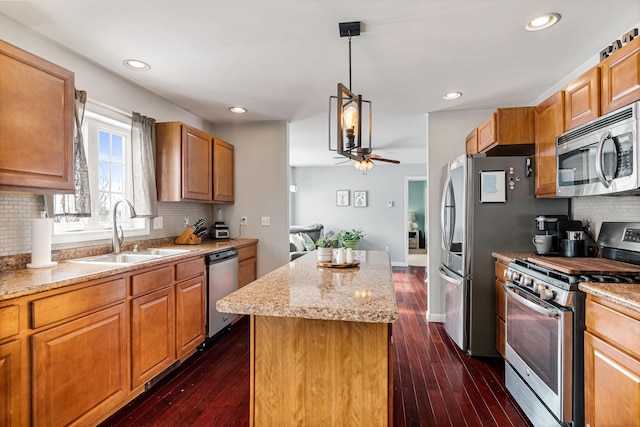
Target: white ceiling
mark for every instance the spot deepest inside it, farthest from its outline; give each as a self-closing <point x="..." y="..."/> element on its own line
<point x="282" y="59"/>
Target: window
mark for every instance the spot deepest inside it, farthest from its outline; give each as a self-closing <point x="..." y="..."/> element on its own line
<point x="107" y="145"/>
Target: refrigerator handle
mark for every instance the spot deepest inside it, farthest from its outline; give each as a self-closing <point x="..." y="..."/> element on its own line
<point x="443" y="207"/>
<point x="448" y="278"/>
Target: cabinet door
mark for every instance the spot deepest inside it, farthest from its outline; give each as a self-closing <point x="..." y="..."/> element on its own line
<point x="621" y="77"/>
<point x="487" y="135"/>
<point x="472" y="142"/>
<point x="582" y="99"/>
<point x="152" y="335"/>
<point x="80" y="368"/>
<point x="10" y="392"/>
<point x="549" y="125"/>
<point x="196" y="164"/>
<point x="36" y="121"/>
<point x="190" y="314"/>
<point x="223" y="158"/>
<point x="246" y="272"/>
<point x="612" y="385"/>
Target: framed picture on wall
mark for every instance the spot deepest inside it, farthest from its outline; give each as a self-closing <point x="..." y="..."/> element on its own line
<point x="342" y="197"/>
<point x="360" y="199"/>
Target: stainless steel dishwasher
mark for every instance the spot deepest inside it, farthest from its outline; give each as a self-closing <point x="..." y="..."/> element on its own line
<point x="222" y="279"/>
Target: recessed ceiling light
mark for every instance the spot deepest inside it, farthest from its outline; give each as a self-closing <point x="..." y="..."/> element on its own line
<point x="137" y="65"/>
<point x="238" y="110"/>
<point x="452" y="95"/>
<point x="542" y="22"/>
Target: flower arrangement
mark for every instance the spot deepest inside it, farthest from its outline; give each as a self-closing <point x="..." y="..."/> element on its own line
<point x="326" y="240"/>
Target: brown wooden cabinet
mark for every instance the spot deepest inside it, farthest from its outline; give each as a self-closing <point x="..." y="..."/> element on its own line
<point x="10" y="384"/>
<point x="247" y="265"/>
<point x="501" y="308"/>
<point x="184" y="170"/>
<point x="507" y="131"/>
<point x="612" y="364"/>
<point x="549" y="124"/>
<point x="621" y="77"/>
<point x="223" y="170"/>
<point x="582" y="99"/>
<point x="36" y="122"/>
<point x="80" y="368"/>
<point x="472" y="142"/>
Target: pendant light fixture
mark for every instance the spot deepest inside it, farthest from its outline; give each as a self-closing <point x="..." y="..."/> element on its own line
<point x="350" y="111"/>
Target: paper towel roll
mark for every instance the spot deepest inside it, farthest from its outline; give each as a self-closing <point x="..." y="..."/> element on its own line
<point x="41" y="235"/>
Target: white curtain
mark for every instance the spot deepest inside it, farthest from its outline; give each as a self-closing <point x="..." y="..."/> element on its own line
<point x="143" y="154"/>
<point x="77" y="204"/>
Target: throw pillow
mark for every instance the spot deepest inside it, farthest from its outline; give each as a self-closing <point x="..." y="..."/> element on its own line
<point x="297" y="242"/>
<point x="307" y="242"/>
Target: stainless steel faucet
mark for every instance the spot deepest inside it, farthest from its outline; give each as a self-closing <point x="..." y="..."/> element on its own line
<point x="119" y="238"/>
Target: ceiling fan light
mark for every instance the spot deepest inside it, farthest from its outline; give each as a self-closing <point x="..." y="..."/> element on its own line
<point x="369" y="164"/>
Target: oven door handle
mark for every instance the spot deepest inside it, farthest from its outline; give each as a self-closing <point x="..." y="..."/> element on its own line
<point x="530" y="304"/>
<point x="600" y="159"/>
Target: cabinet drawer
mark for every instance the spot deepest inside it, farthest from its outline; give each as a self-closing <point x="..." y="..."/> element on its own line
<point x="151" y="280"/>
<point x="63" y="306"/>
<point x="616" y="327"/>
<point x="190" y="268"/>
<point x="247" y="252"/>
<point x="9" y="321"/>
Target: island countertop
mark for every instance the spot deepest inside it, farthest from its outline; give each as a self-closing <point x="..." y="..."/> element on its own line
<point x="302" y="289"/>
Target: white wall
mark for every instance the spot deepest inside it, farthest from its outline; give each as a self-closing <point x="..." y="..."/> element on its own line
<point x="261" y="188"/>
<point x="384" y="227"/>
<point x="447" y="135"/>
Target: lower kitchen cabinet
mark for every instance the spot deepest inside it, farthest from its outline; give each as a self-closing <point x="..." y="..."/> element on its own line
<point x="80" y="368"/>
<point x="10" y="389"/>
<point x="190" y="315"/>
<point x="247" y="256"/>
<point x="501" y="308"/>
<point x="612" y="365"/>
<point x="152" y="335"/>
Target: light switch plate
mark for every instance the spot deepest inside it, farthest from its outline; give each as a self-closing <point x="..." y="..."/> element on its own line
<point x="266" y="220"/>
<point x="157" y="223"/>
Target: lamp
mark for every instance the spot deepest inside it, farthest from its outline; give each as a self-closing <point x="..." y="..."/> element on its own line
<point x="351" y="114"/>
<point x="412" y="221"/>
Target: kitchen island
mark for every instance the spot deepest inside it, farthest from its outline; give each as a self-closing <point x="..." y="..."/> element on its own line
<point x="321" y="349"/>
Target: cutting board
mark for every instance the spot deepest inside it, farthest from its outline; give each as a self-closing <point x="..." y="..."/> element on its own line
<point x="585" y="265"/>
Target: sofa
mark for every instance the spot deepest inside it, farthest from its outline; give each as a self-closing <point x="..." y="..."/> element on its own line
<point x="298" y="243"/>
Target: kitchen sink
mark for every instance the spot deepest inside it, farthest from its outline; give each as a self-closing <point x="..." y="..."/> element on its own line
<point x="130" y="257"/>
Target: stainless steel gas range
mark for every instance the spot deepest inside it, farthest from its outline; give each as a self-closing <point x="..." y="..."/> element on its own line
<point x="544" y="366"/>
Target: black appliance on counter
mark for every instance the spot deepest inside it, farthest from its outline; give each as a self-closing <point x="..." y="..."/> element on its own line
<point x="545" y="323"/>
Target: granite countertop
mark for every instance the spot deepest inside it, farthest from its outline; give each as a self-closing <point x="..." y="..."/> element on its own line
<point x="26" y="281"/>
<point x="624" y="294"/>
<point x="302" y="289"/>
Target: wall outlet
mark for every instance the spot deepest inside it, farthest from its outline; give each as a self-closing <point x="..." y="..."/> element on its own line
<point x="266" y="220"/>
<point x="389" y="204"/>
<point x="157" y="223"/>
<point x="243" y="220"/>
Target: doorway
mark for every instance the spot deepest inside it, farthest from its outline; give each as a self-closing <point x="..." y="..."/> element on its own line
<point x="415" y="229"/>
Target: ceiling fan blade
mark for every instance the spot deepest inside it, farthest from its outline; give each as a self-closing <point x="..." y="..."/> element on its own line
<point x="382" y="159"/>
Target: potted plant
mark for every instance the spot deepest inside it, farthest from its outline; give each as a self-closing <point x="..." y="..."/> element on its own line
<point x="325" y="244"/>
<point x="350" y="238"/>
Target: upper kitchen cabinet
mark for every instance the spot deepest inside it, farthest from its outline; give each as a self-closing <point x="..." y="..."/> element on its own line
<point x="582" y="99"/>
<point x="549" y="123"/>
<point x="621" y="77"/>
<point x="183" y="163"/>
<point x="223" y="158"/>
<point x="36" y="122"/>
<point x="508" y="131"/>
<point x="472" y="142"/>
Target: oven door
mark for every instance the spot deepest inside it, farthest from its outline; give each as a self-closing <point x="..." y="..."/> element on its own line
<point x="539" y="348"/>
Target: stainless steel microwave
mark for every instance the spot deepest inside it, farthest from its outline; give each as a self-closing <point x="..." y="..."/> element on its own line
<point x="600" y="157"/>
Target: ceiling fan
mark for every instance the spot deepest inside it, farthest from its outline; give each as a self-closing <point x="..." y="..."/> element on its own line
<point x="364" y="161"/>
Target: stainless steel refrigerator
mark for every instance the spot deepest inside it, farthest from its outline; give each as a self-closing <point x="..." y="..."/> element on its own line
<point x="488" y="205"/>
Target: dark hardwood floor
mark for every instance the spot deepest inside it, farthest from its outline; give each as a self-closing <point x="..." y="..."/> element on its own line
<point x="435" y="384"/>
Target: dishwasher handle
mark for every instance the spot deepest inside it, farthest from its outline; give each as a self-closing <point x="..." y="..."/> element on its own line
<point x="216" y="257"/>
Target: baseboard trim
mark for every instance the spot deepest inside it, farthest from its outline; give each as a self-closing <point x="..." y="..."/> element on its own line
<point x="436" y="318"/>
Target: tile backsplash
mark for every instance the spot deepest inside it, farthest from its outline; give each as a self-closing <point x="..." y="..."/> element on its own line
<point x="605" y="208"/>
<point x="17" y="211"/>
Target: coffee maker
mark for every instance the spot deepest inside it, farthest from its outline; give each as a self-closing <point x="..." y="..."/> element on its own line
<point x="560" y="227"/>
